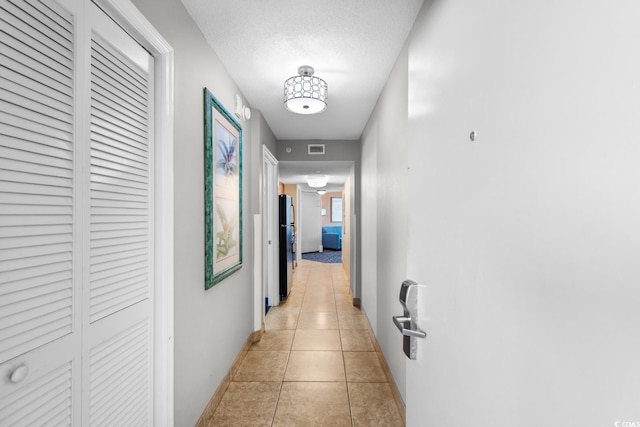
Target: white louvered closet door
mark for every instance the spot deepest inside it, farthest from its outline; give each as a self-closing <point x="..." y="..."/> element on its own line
<point x="119" y="347"/>
<point x="39" y="329"/>
<point x="76" y="218"/>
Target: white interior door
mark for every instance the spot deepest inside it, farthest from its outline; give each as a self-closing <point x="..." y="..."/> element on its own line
<point x="526" y="241"/>
<point x="311" y="222"/>
<point x="40" y="329"/>
<point x="118" y="338"/>
<point x="269" y="227"/>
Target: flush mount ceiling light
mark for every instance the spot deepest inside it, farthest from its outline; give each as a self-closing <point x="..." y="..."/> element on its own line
<point x="317" y="181"/>
<point x="322" y="192"/>
<point x="305" y="94"/>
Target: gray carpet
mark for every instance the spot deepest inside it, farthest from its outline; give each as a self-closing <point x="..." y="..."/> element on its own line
<point x="328" y="256"/>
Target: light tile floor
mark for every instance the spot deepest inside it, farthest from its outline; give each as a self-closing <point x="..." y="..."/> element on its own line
<point x="316" y="364"/>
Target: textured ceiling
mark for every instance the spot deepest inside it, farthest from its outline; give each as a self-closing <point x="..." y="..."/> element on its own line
<point x="352" y="44"/>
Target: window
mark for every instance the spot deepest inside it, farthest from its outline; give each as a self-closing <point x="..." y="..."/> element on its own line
<point x="336" y="209"/>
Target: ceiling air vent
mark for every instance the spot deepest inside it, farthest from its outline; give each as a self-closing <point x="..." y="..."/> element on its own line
<point x="316" y="148"/>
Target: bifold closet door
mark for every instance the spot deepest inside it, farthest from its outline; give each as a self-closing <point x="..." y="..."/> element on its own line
<point x="76" y="218"/>
<point x="39" y="287"/>
<point x="118" y="340"/>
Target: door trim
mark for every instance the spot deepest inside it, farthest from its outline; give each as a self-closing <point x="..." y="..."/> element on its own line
<point x="269" y="221"/>
<point x="134" y="22"/>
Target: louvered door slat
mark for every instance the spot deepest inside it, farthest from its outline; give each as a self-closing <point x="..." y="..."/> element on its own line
<point x="31" y="58"/>
<point x="16" y="292"/>
<point x="30" y="129"/>
<point x="111" y="235"/>
<point x="56" y="319"/>
<point x="114" y="156"/>
<point x="49" y="14"/>
<point x="22" y="28"/>
<point x="105" y="144"/>
<point x="56" y="101"/>
<point x="106" y="226"/>
<point x="22" y="157"/>
<point x="19" y="253"/>
<point x="29" y="72"/>
<point x="29" y="188"/>
<point x="18" y="176"/>
<point x="24" y="45"/>
<point x="14" y="135"/>
<point x="58" y="301"/>
<point x="33" y="15"/>
<point x="51" y="280"/>
<point x="101" y="125"/>
<point x="33" y="242"/>
<point x="34" y="168"/>
<point x="45" y="91"/>
<point x="116" y="89"/>
<point x="28" y="307"/>
<point x="99" y="252"/>
<point x="23" y="101"/>
<point x="123" y="173"/>
<point x="101" y="259"/>
<point x="127" y="121"/>
<point x="121" y="285"/>
<point x="109" y="104"/>
<point x="17" y="220"/>
<point x="122" y="67"/>
<point x="34" y="260"/>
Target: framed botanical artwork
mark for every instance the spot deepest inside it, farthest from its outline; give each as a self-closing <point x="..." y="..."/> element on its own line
<point x="223" y="192"/>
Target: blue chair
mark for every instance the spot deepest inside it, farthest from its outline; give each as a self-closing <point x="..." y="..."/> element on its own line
<point x="332" y="237"/>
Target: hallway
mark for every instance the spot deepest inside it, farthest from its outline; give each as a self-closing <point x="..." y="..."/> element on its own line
<point x="315" y="365"/>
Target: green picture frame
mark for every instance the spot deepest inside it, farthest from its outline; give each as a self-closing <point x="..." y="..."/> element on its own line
<point x="223" y="192"/>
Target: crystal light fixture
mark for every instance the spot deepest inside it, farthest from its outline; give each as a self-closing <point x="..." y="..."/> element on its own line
<point x="304" y="93"/>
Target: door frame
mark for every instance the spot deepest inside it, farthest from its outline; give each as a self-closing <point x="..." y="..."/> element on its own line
<point x="269" y="193"/>
<point x="134" y="22"/>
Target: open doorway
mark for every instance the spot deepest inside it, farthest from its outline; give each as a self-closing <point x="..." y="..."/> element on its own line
<point x="326" y="206"/>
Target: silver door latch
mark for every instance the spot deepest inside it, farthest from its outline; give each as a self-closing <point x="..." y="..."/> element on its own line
<point x="406" y="323"/>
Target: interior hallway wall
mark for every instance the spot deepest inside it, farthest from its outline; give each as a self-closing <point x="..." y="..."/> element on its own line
<point x="206" y="343"/>
<point x="369" y="224"/>
<point x="261" y="134"/>
<point x="384" y="153"/>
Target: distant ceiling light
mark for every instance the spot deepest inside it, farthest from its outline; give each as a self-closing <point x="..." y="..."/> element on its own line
<point x="317" y="181"/>
<point x="322" y="192"/>
<point x="305" y="94"/>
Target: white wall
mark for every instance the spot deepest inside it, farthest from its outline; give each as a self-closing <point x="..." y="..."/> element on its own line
<point x="531" y="238"/>
<point x="384" y="216"/>
<point x="347" y="230"/>
<point x="261" y="134"/>
<point x="369" y="224"/>
<point x="206" y="342"/>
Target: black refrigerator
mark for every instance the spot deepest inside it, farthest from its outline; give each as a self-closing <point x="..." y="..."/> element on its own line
<point x="286" y="245"/>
